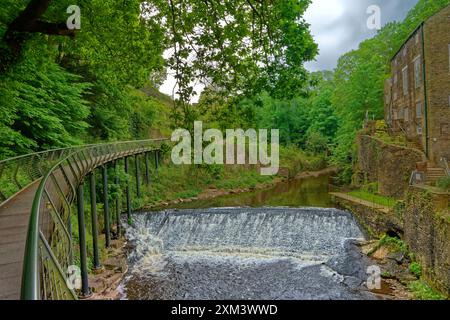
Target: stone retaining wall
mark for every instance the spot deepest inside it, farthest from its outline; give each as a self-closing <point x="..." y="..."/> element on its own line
<point x="423" y="222"/>
<point x="427" y="234"/>
<point x="389" y="165"/>
<point x="374" y="220"/>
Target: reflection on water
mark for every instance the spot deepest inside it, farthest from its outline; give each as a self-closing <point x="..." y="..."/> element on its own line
<point x="308" y="192"/>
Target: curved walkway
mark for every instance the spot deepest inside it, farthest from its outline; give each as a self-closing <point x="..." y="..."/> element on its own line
<point x="14" y="218"/>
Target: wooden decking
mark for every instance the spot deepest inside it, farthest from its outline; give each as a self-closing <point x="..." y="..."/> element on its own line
<point x="14" y="217"/>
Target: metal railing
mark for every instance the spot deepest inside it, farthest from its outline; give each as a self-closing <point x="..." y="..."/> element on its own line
<point x="48" y="251"/>
<point x="18" y="172"/>
<point x="445" y="165"/>
<point x="417" y="178"/>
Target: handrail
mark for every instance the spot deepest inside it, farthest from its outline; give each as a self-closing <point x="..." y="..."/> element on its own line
<point x="20" y="171"/>
<point x="48" y="247"/>
<point x="417" y="178"/>
<point x="446" y="167"/>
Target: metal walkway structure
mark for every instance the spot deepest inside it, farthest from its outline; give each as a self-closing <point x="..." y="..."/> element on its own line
<point x="40" y="192"/>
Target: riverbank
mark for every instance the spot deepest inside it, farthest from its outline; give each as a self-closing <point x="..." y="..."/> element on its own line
<point x="212" y="193"/>
<point x="417" y="229"/>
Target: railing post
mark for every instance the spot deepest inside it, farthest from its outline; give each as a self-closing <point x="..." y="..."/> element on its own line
<point x="147" y="172"/>
<point x="82" y="236"/>
<point x="156" y="160"/>
<point x="94" y="219"/>
<point x="138" y="178"/>
<point x="106" y="206"/>
<point x="128" y="192"/>
<point x="117" y="182"/>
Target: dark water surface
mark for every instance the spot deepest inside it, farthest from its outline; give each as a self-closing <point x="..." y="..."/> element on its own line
<point x="308" y="192"/>
<point x="266" y="252"/>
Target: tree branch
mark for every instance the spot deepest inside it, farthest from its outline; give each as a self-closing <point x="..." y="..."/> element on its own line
<point x="28" y="22"/>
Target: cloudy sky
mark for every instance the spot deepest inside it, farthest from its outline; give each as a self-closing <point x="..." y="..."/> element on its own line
<point x="338" y="26"/>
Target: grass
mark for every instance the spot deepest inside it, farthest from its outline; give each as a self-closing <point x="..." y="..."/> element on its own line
<point x="381" y="132"/>
<point x="415" y="269"/>
<point x="375" y="198"/>
<point x="443" y="183"/>
<point x="423" y="291"/>
<point x="393" y="244"/>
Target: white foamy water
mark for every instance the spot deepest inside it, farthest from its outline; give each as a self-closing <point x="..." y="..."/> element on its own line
<point x="218" y="253"/>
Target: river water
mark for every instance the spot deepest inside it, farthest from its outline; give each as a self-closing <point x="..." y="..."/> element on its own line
<point x="268" y="251"/>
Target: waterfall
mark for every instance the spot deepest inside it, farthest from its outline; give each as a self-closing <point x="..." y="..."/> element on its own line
<point x="244" y="253"/>
<point x="311" y="232"/>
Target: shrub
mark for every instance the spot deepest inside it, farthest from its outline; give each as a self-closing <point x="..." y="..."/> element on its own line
<point x="415" y="269"/>
<point x="422" y="291"/>
<point x="443" y="183"/>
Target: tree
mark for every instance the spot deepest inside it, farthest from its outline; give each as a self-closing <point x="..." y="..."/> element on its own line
<point x="27" y="22"/>
<point x="236" y="46"/>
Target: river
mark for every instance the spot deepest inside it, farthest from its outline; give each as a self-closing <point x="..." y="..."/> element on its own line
<point x="285" y="242"/>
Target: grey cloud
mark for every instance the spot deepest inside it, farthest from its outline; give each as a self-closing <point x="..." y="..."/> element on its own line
<point x="349" y="29"/>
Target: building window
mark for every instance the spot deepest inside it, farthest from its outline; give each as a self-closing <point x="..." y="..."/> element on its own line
<point x="417" y="38"/>
<point x="400" y="114"/>
<point x="417" y="73"/>
<point x="419" y="110"/>
<point x="419" y="130"/>
<point x="406" y="114"/>
<point x="405" y="80"/>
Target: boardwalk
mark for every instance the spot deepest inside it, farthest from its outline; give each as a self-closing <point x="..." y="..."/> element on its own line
<point x="15" y="213"/>
<point x="14" y="217"/>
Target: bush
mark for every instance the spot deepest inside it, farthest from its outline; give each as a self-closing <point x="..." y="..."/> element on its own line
<point x="443" y="183"/>
<point x="392" y="243"/>
<point x="422" y="291"/>
<point x="415" y="269"/>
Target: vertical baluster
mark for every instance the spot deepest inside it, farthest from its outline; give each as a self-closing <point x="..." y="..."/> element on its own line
<point x="138" y="176"/>
<point x="117" y="182"/>
<point x="128" y="191"/>
<point x="94" y="219"/>
<point x="106" y="206"/>
<point x="147" y="172"/>
<point x="82" y="236"/>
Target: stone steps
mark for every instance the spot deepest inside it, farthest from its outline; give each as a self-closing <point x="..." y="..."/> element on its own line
<point x="434" y="174"/>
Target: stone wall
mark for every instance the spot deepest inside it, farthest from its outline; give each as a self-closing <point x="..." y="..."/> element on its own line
<point x="422" y="221"/>
<point x="375" y="222"/>
<point x="389" y="165"/>
<point x="437" y="57"/>
<point x="427" y="234"/>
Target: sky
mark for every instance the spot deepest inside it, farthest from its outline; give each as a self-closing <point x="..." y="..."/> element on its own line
<point x="337" y="26"/>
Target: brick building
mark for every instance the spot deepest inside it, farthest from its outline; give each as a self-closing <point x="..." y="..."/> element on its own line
<point x="417" y="96"/>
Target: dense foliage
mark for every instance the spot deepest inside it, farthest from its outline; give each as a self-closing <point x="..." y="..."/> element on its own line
<point x="100" y="83"/>
<point x="62" y="87"/>
<point x="237" y="47"/>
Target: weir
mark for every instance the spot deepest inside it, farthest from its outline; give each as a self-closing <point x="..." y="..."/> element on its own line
<point x="256" y="253"/>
